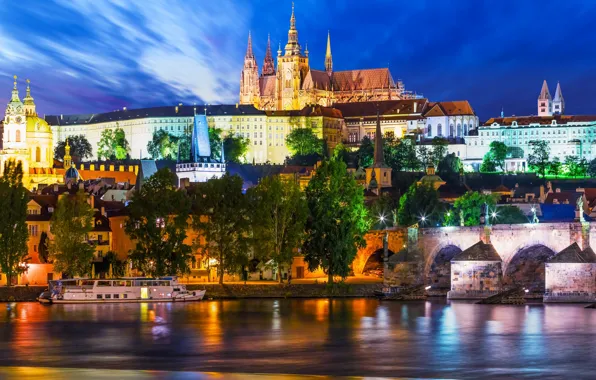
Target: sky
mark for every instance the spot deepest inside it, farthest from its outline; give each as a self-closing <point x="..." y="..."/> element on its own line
<point x="90" y="56"/>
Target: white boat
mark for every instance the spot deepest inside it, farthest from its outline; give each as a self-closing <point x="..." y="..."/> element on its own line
<point x="119" y="290"/>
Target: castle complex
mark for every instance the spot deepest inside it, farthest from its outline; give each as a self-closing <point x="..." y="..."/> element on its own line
<point x="294" y="84"/>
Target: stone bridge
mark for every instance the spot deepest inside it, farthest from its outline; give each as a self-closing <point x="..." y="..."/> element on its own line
<point x="523" y="247"/>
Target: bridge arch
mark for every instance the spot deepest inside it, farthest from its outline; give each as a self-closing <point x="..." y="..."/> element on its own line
<point x="526" y="267"/>
<point x="439" y="272"/>
<point x="376" y="260"/>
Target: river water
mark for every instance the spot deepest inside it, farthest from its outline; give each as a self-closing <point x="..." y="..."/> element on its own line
<point x="359" y="337"/>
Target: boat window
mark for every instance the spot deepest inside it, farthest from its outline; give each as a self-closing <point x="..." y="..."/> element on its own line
<point x="128" y="283"/>
<point x="120" y="283"/>
<point x="125" y="296"/>
<point x="104" y="283"/>
<point x="164" y="283"/>
<point x="87" y="282"/>
<point x="99" y="296"/>
<point x="116" y="295"/>
<point x="108" y="296"/>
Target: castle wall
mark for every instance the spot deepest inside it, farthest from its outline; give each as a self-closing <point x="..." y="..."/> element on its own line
<point x="570" y="282"/>
<point x="475" y="279"/>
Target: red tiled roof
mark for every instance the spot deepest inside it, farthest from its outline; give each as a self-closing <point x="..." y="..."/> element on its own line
<point x="458" y="107"/>
<point x="368" y="79"/>
<point x="317" y="79"/>
<point x="118" y="176"/>
<point x="542" y="120"/>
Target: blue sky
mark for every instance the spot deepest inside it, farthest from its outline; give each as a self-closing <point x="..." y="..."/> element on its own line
<point x="99" y="55"/>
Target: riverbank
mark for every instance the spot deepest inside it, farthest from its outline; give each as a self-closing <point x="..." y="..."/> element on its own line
<point x="232" y="291"/>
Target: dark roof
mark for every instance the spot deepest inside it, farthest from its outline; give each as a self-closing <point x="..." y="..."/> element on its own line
<point x="559" y="213"/>
<point x="314" y="110"/>
<point x="101" y="224"/>
<point x="562" y="197"/>
<point x="385" y="107"/>
<point x="478" y="252"/>
<point x="542" y="120"/>
<point x="252" y="174"/>
<point x="574" y="254"/>
<point x="164" y="111"/>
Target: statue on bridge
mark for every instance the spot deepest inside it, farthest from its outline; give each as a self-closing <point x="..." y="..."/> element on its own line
<point x="461" y="218"/>
<point x="580" y="208"/>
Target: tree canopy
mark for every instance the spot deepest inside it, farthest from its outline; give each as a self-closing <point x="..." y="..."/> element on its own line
<point x="279" y="212"/>
<point x="420" y="204"/>
<point x="338" y="219"/>
<point x="509" y="215"/>
<point x="303" y="141"/>
<point x="555" y="167"/>
<point x="235" y="148"/>
<point x="163" y="146"/>
<point x="538" y="158"/>
<point x="157" y="224"/>
<point x="365" y="153"/>
<point x="80" y="148"/>
<point x="449" y="168"/>
<point x="470" y="207"/>
<point x="70" y="224"/>
<point x="220" y="216"/>
<point x="13" y="215"/>
<point x="113" y="145"/>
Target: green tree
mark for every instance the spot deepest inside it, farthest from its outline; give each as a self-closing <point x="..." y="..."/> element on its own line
<point x="338" y="219"/>
<point x="365" y="153"/>
<point x="13" y="215"/>
<point x="44" y="255"/>
<point x="215" y="141"/>
<point x="221" y="217"/>
<point x="592" y="168"/>
<point x="70" y="224"/>
<point x="538" y="159"/>
<point x="572" y="166"/>
<point x="439" y="145"/>
<point x="113" y="145"/>
<point x="303" y="141"/>
<point x="554" y="167"/>
<point x="80" y="148"/>
<point x="515" y="152"/>
<point x="583" y="167"/>
<point x="508" y="215"/>
<point x="163" y="146"/>
<point x="382" y="212"/>
<point x="235" y="148"/>
<point x="471" y="206"/>
<point x="118" y="266"/>
<point x="157" y="224"/>
<point x="420" y="204"/>
<point x="279" y="212"/>
<point x="498" y="152"/>
<point x="449" y="168"/>
<point x="488" y="164"/>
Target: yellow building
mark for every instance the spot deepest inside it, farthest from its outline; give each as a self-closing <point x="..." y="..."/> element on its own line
<point x="294" y="84"/>
<point x="28" y="138"/>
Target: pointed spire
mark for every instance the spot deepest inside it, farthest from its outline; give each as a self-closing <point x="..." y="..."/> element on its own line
<point x="558" y="93"/>
<point x="279" y="50"/>
<point x="67" y="158"/>
<point x="268" y="65"/>
<point x="15" y="92"/>
<point x="292" y="47"/>
<point x="306" y="50"/>
<point x="544" y="93"/>
<point x="328" y="58"/>
<point x="28" y="99"/>
<point x="293" y="19"/>
<point x="379" y="156"/>
<point x="249" y="53"/>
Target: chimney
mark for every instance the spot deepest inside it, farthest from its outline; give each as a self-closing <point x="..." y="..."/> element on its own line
<point x="541" y="192"/>
<point x="81" y="185"/>
<point x="55" y="188"/>
<point x="103" y="211"/>
<point x="558" y="190"/>
<point x="580" y="190"/>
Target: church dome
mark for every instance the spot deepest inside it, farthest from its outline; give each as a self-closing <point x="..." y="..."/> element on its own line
<point x="71" y="174"/>
<point x="37" y="124"/>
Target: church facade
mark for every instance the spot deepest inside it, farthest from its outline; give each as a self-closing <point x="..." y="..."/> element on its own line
<point x="293" y="84"/>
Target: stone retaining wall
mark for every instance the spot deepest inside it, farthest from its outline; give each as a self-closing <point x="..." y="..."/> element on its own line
<point x="217" y="291"/>
<point x="20" y="293"/>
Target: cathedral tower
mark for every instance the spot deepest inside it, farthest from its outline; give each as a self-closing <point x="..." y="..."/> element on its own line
<point x="292" y="68"/>
<point x="268" y="64"/>
<point x="249" y="79"/>
<point x="328" y="59"/>
<point x="15" y="122"/>
<point x="545" y="102"/>
<point x="558" y="101"/>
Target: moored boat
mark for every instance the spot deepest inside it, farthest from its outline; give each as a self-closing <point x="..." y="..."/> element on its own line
<point x="119" y="290"/>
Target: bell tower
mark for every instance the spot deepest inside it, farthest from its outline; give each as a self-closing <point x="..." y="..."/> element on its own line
<point x="292" y="68"/>
<point x="249" y="79"/>
<point x="15" y="122"/>
<point x="545" y="102"/>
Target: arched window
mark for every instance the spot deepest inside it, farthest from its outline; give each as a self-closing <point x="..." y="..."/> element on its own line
<point x="439" y="130"/>
<point x="459" y="133"/>
<point x="37" y="154"/>
<point x="429" y="131"/>
<point x="465" y="129"/>
<point x="18" y="136"/>
<point x="451" y="130"/>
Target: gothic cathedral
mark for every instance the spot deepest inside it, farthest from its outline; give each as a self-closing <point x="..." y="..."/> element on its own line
<point x="294" y="85"/>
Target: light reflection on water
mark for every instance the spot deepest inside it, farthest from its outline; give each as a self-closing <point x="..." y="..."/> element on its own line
<point x="360" y="337"/>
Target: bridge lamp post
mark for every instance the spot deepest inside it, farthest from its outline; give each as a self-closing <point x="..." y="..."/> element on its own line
<point x="385" y="244"/>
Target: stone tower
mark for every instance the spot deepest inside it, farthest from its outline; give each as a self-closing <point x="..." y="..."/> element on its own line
<point x="545" y="102"/>
<point x="268" y="64"/>
<point x="292" y="67"/>
<point x="558" y="101"/>
<point x="249" y="79"/>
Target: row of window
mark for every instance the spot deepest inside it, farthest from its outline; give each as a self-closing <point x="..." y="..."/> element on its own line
<point x="453" y="130"/>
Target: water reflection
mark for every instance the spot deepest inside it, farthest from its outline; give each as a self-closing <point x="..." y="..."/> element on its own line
<point x="326" y="337"/>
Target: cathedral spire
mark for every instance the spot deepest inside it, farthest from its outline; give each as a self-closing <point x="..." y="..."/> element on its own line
<point x="558" y="93"/>
<point x="268" y="65"/>
<point x="292" y="47"/>
<point x="328" y="59"/>
<point x="28" y="101"/>
<point x="249" y="53"/>
<point x="559" y="101"/>
<point x="379" y="156"/>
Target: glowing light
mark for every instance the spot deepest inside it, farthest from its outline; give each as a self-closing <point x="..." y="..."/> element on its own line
<point x="533" y="209"/>
<point x="428" y="287"/>
<point x="494" y="214"/>
<point x="423" y="218"/>
<point x="448" y="213"/>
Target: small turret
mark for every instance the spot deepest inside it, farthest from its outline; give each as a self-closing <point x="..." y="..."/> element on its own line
<point x="558" y="101"/>
<point x="545" y="103"/>
<point x="328" y="58"/>
<point x="268" y="65"/>
<point x="28" y="101"/>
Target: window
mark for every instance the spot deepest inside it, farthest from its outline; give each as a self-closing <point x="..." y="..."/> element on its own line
<point x="18" y="136"/>
<point x="459" y="131"/>
<point x="37" y="154"/>
<point x="33" y="230"/>
<point x="439" y="130"/>
<point x="451" y="130"/>
<point x="99" y="296"/>
<point x="429" y="131"/>
<point x="116" y="295"/>
<point x="107" y="296"/>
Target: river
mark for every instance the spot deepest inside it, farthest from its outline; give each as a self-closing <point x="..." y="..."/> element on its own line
<point x="356" y="337"/>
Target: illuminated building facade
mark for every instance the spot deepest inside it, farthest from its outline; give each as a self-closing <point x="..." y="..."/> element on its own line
<point x="293" y="84"/>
